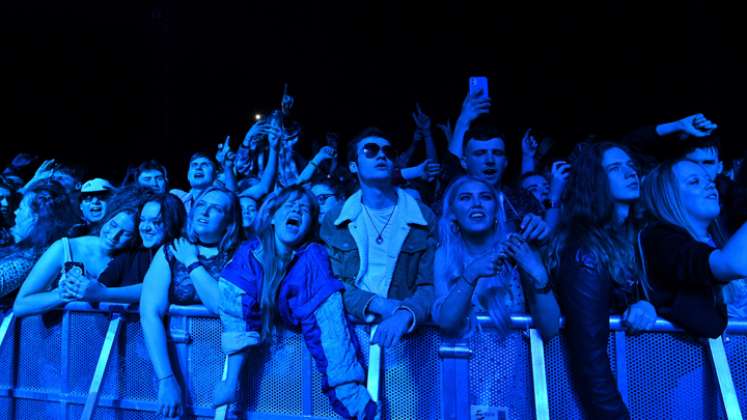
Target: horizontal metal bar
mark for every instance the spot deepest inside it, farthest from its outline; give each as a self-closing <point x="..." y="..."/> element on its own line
<point x="518" y="321"/>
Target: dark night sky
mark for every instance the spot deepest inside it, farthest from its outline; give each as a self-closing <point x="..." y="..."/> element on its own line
<point x="109" y="84"/>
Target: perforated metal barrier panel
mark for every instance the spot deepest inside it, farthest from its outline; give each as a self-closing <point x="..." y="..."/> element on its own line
<point x="46" y="367"/>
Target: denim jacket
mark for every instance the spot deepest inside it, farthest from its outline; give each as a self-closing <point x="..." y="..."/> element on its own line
<point x="412" y="281"/>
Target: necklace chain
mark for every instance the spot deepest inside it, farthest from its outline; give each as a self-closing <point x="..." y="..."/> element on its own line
<point x="379" y="237"/>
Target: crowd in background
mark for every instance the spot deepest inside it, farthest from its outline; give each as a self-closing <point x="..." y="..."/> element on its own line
<point x="364" y="233"/>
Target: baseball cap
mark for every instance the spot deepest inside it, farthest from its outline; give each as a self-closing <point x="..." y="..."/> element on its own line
<point x="96" y="185"/>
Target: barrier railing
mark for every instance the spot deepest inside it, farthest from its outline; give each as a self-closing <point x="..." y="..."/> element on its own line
<point x="91" y="362"/>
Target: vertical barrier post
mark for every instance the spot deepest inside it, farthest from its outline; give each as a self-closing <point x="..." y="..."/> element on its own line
<point x="374" y="367"/>
<point x="65" y="364"/>
<point x="5" y="327"/>
<point x="725" y="382"/>
<point x="307" y="396"/>
<point x="539" y="376"/>
<point x="98" y="374"/>
<point x="455" y="384"/>
<point x="621" y="365"/>
<point x="220" y="412"/>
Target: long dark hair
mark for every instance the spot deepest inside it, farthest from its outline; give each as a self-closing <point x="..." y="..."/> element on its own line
<point x="588" y="216"/>
<point x="273" y="265"/>
<point x="172" y="213"/>
<point x="55" y="213"/>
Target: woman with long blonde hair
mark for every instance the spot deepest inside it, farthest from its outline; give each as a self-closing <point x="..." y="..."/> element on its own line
<point x="478" y="267"/>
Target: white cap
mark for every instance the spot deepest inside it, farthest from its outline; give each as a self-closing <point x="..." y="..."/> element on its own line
<point x="96" y="185"/>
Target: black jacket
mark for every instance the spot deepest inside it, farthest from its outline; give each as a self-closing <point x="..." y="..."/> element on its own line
<point x="684" y="290"/>
<point x="587" y="296"/>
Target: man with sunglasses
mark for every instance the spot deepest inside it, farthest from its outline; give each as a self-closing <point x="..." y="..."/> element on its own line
<point x="94" y="194"/>
<point x="381" y="243"/>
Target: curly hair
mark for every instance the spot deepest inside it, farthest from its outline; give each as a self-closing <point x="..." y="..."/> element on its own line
<point x="588" y="216"/>
<point x="55" y="213"/>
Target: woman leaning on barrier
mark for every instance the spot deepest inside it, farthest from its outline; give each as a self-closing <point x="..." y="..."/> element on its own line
<point x="185" y="272"/>
<point x="160" y="219"/>
<point x="478" y="267"/>
<point x="283" y="276"/>
<point x="594" y="264"/>
<point x="688" y="263"/>
<point x="70" y="268"/>
<point x="43" y="216"/>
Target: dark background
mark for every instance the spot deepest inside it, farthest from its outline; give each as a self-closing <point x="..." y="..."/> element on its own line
<point x="106" y="84"/>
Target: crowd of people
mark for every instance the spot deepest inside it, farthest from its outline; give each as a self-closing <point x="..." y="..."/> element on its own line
<point x="265" y="238"/>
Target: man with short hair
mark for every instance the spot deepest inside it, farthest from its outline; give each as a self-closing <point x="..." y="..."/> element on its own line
<point x="201" y="174"/>
<point x="151" y="174"/>
<point x="381" y="243"/>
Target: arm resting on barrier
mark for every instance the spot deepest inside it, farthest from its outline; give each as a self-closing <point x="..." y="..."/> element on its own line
<point x="585" y="295"/>
<point x="154" y="304"/>
<point x="34" y="297"/>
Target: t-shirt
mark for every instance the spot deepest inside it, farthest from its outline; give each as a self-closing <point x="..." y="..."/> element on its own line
<point x="127" y="269"/>
<point x="380" y="265"/>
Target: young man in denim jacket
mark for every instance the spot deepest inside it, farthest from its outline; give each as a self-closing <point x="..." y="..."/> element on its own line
<point x="381" y="243"/>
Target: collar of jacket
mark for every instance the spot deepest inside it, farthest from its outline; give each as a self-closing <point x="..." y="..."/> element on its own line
<point x="409" y="209"/>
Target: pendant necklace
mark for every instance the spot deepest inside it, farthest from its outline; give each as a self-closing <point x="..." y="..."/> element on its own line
<point x="379" y="238"/>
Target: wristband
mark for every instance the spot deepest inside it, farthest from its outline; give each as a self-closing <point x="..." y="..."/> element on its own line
<point x="191" y="267"/>
<point x="547" y="288"/>
<point x="166" y="377"/>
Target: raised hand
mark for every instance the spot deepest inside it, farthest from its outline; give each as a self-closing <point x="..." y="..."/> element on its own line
<point x="533" y="228"/>
<point x="559" y="174"/>
<point x="473" y="107"/>
<point x="422" y="121"/>
<point x="428" y="170"/>
<point x="529" y="144"/>
<point x="446" y="129"/>
<point x="696" y="126"/>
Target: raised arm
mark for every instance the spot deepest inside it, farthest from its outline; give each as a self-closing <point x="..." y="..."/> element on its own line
<point x="473" y="107"/>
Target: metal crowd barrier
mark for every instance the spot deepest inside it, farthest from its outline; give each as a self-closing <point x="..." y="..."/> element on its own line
<point x="91" y="363"/>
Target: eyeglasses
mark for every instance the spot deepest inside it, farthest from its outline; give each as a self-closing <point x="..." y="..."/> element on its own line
<point x="371" y="150"/>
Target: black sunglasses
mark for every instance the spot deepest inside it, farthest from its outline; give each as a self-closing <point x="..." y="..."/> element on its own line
<point x="371" y="150"/>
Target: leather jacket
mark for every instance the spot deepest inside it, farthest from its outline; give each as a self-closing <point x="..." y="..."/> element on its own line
<point x="587" y="295"/>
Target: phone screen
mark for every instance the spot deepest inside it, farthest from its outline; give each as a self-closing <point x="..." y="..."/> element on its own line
<point x="75" y="266"/>
<point x="479" y="85"/>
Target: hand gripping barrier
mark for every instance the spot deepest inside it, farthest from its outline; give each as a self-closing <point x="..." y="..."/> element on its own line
<point x="91" y="362"/>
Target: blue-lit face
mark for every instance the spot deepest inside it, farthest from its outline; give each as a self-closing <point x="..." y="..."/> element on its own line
<point x="151" y="225"/>
<point x="210" y="216"/>
<point x="93" y="207"/>
<point x="485" y="159"/>
<point x="537" y="185"/>
<point x="292" y="220"/>
<point x="153" y="179"/>
<point x="474" y="207"/>
<point x="248" y="211"/>
<point x="372" y="166"/>
<point x="116" y="233"/>
<point x="708" y="159"/>
<point x="698" y="193"/>
<point x="201" y="173"/>
<point x="622" y="175"/>
<point x="25" y="219"/>
<point x="326" y="198"/>
<point x="4" y="203"/>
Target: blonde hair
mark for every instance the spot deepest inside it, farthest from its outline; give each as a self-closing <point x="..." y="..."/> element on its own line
<point x="661" y="197"/>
